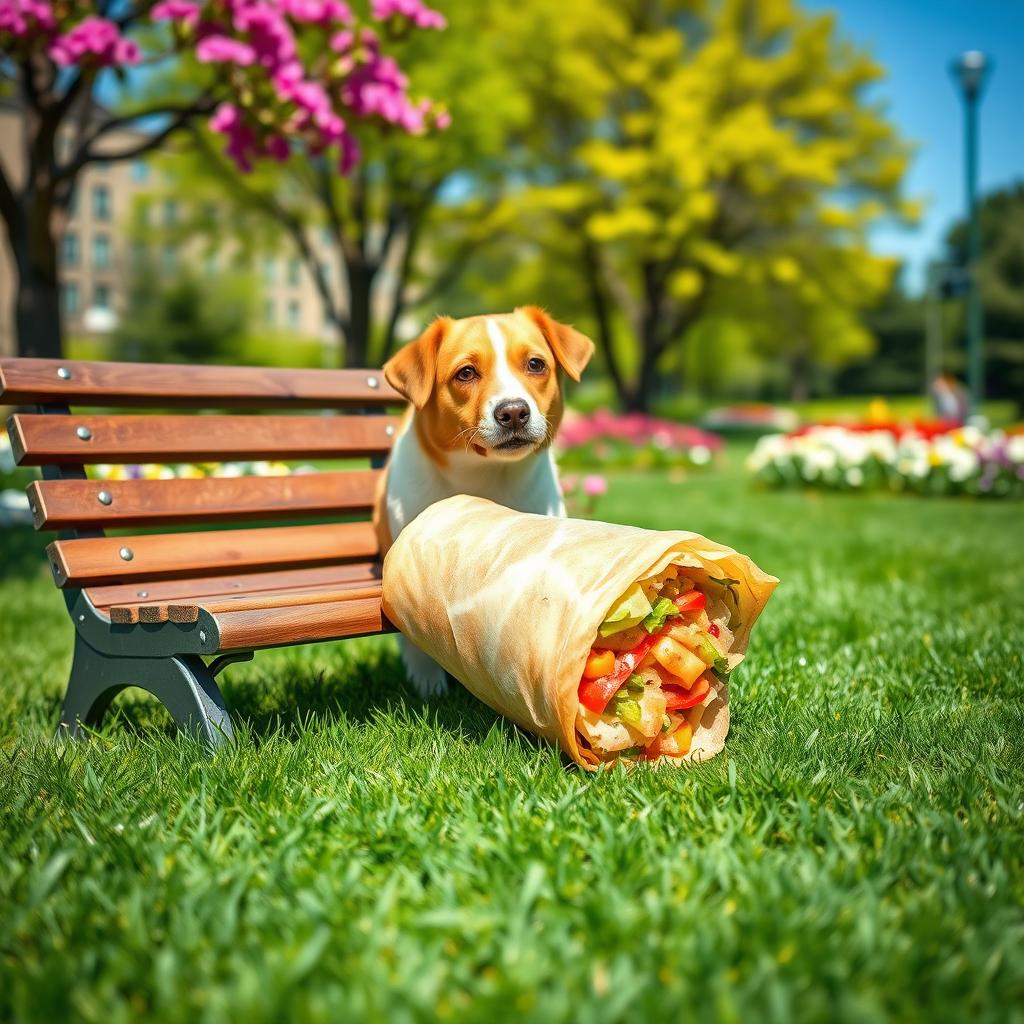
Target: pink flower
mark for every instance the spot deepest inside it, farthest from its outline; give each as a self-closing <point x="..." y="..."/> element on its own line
<point x="176" y="10"/>
<point x="225" y="50"/>
<point x="442" y="120"/>
<point x="20" y="17"/>
<point x="415" y="10"/>
<point x="268" y="31"/>
<point x="569" y="482"/>
<point x="594" y="486"/>
<point x="97" y="39"/>
<point x="318" y="12"/>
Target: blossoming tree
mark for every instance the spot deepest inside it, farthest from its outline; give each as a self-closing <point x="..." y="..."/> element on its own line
<point x="273" y="77"/>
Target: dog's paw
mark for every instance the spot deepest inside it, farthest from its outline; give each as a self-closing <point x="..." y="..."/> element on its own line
<point x="427" y="677"/>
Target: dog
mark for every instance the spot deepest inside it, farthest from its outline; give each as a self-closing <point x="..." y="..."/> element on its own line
<point x="485" y="401"/>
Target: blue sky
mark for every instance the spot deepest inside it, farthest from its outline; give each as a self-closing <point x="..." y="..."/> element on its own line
<point x="914" y="40"/>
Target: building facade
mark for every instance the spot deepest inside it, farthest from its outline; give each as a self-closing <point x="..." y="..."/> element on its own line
<point x="98" y="250"/>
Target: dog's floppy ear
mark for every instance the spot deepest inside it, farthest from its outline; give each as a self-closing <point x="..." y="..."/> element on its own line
<point x="410" y="371"/>
<point x="571" y="348"/>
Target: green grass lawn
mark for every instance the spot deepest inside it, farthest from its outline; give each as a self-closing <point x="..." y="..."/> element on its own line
<point x="855" y="854"/>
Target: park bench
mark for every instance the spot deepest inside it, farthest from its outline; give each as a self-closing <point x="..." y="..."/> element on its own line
<point x="168" y="611"/>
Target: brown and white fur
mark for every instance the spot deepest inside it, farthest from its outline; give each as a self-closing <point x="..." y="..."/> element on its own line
<point x="485" y="402"/>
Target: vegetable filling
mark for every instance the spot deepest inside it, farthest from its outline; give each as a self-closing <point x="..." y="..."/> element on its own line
<point x="661" y="657"/>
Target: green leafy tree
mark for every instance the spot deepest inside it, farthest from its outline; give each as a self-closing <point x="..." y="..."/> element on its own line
<point x="187" y="318"/>
<point x="1001" y="277"/>
<point x="699" y="160"/>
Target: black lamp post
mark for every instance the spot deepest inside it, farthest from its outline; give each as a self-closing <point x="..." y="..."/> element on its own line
<point x="971" y="70"/>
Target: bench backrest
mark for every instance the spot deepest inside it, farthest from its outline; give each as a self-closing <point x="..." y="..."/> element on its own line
<point x="64" y="443"/>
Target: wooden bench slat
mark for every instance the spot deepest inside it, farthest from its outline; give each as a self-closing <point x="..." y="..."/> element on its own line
<point x="97" y="560"/>
<point x="76" y="504"/>
<point x="278" y="627"/>
<point x="187" y="609"/>
<point x="216" y="587"/>
<point x="160" y="385"/>
<point x="39" y="440"/>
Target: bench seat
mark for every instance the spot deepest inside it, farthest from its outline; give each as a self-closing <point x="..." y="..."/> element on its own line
<point x="202" y="575"/>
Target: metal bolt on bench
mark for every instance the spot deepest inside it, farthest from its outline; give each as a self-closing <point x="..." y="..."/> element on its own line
<point x="149" y="608"/>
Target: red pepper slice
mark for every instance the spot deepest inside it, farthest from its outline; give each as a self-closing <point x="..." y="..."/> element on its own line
<point x="596" y="694"/>
<point x="694" y="601"/>
<point x="678" y="699"/>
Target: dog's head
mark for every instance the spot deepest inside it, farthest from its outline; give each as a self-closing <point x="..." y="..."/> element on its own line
<point x="489" y="385"/>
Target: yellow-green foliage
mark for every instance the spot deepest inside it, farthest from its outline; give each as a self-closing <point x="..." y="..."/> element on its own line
<point x="724" y="160"/>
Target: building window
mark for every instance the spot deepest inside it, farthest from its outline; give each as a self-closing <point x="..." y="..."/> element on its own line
<point x="268" y="311"/>
<point x="293" y="272"/>
<point x="72" y="298"/>
<point x="293" y="314"/>
<point x="140" y="172"/>
<point x="101" y="296"/>
<point x="169" y="259"/>
<point x="73" y="203"/>
<point x="69" y="252"/>
<point x="101" y="202"/>
<point x="101" y="252"/>
<point x="269" y="269"/>
<point x="170" y="212"/>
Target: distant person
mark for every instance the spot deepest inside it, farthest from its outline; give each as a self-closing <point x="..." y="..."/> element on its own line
<point x="949" y="398"/>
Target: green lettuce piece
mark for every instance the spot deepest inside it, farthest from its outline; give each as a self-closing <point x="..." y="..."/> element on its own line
<point x="710" y="656"/>
<point x="635" y="682"/>
<point x="630" y="610"/>
<point x="627" y="710"/>
<point x="663" y="609"/>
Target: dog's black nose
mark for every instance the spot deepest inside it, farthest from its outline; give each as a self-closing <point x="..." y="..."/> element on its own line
<point x="512" y="414"/>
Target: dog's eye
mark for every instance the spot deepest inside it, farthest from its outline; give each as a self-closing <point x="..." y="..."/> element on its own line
<point x="536" y="365"/>
<point x="467" y="373"/>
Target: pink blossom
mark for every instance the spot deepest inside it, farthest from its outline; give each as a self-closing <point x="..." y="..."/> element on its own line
<point x="225" y="50"/>
<point x="95" y="38"/>
<point x="268" y="32"/>
<point x="242" y="144"/>
<point x="594" y="486"/>
<point x="341" y="42"/>
<point x="442" y="120"/>
<point x="176" y="10"/>
<point x="20" y="17"/>
<point x="318" y="12"/>
<point x="349" y="153"/>
<point x="568" y="483"/>
<point x="415" y="10"/>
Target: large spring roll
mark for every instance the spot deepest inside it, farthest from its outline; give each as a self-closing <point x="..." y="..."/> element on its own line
<point x="613" y="641"/>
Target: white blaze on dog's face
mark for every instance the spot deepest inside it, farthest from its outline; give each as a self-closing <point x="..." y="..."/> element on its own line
<point x="488" y="385"/>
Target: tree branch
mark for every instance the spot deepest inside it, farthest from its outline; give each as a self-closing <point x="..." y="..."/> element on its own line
<point x="182" y="116"/>
<point x="599" y="302"/>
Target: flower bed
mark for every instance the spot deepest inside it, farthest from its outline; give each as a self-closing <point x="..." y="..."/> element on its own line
<point x="750" y="418"/>
<point x="926" y="458"/>
<point x="632" y="441"/>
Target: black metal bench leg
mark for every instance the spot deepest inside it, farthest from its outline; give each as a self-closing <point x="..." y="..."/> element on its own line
<point x="183" y="684"/>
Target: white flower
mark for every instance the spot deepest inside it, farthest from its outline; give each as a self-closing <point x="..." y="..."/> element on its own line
<point x="963" y="465"/>
<point x="854" y="476"/>
<point x="1015" y="448"/>
<point x="700" y="455"/>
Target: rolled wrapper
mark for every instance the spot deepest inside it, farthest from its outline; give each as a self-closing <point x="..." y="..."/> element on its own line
<point x="510" y="603"/>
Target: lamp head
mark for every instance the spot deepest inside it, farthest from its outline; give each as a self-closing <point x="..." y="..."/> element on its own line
<point x="971" y="69"/>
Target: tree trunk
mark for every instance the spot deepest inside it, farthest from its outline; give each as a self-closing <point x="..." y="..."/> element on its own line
<point x="799" y="376"/>
<point x="360" y="290"/>
<point x="602" y="316"/>
<point x="37" y="315"/>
